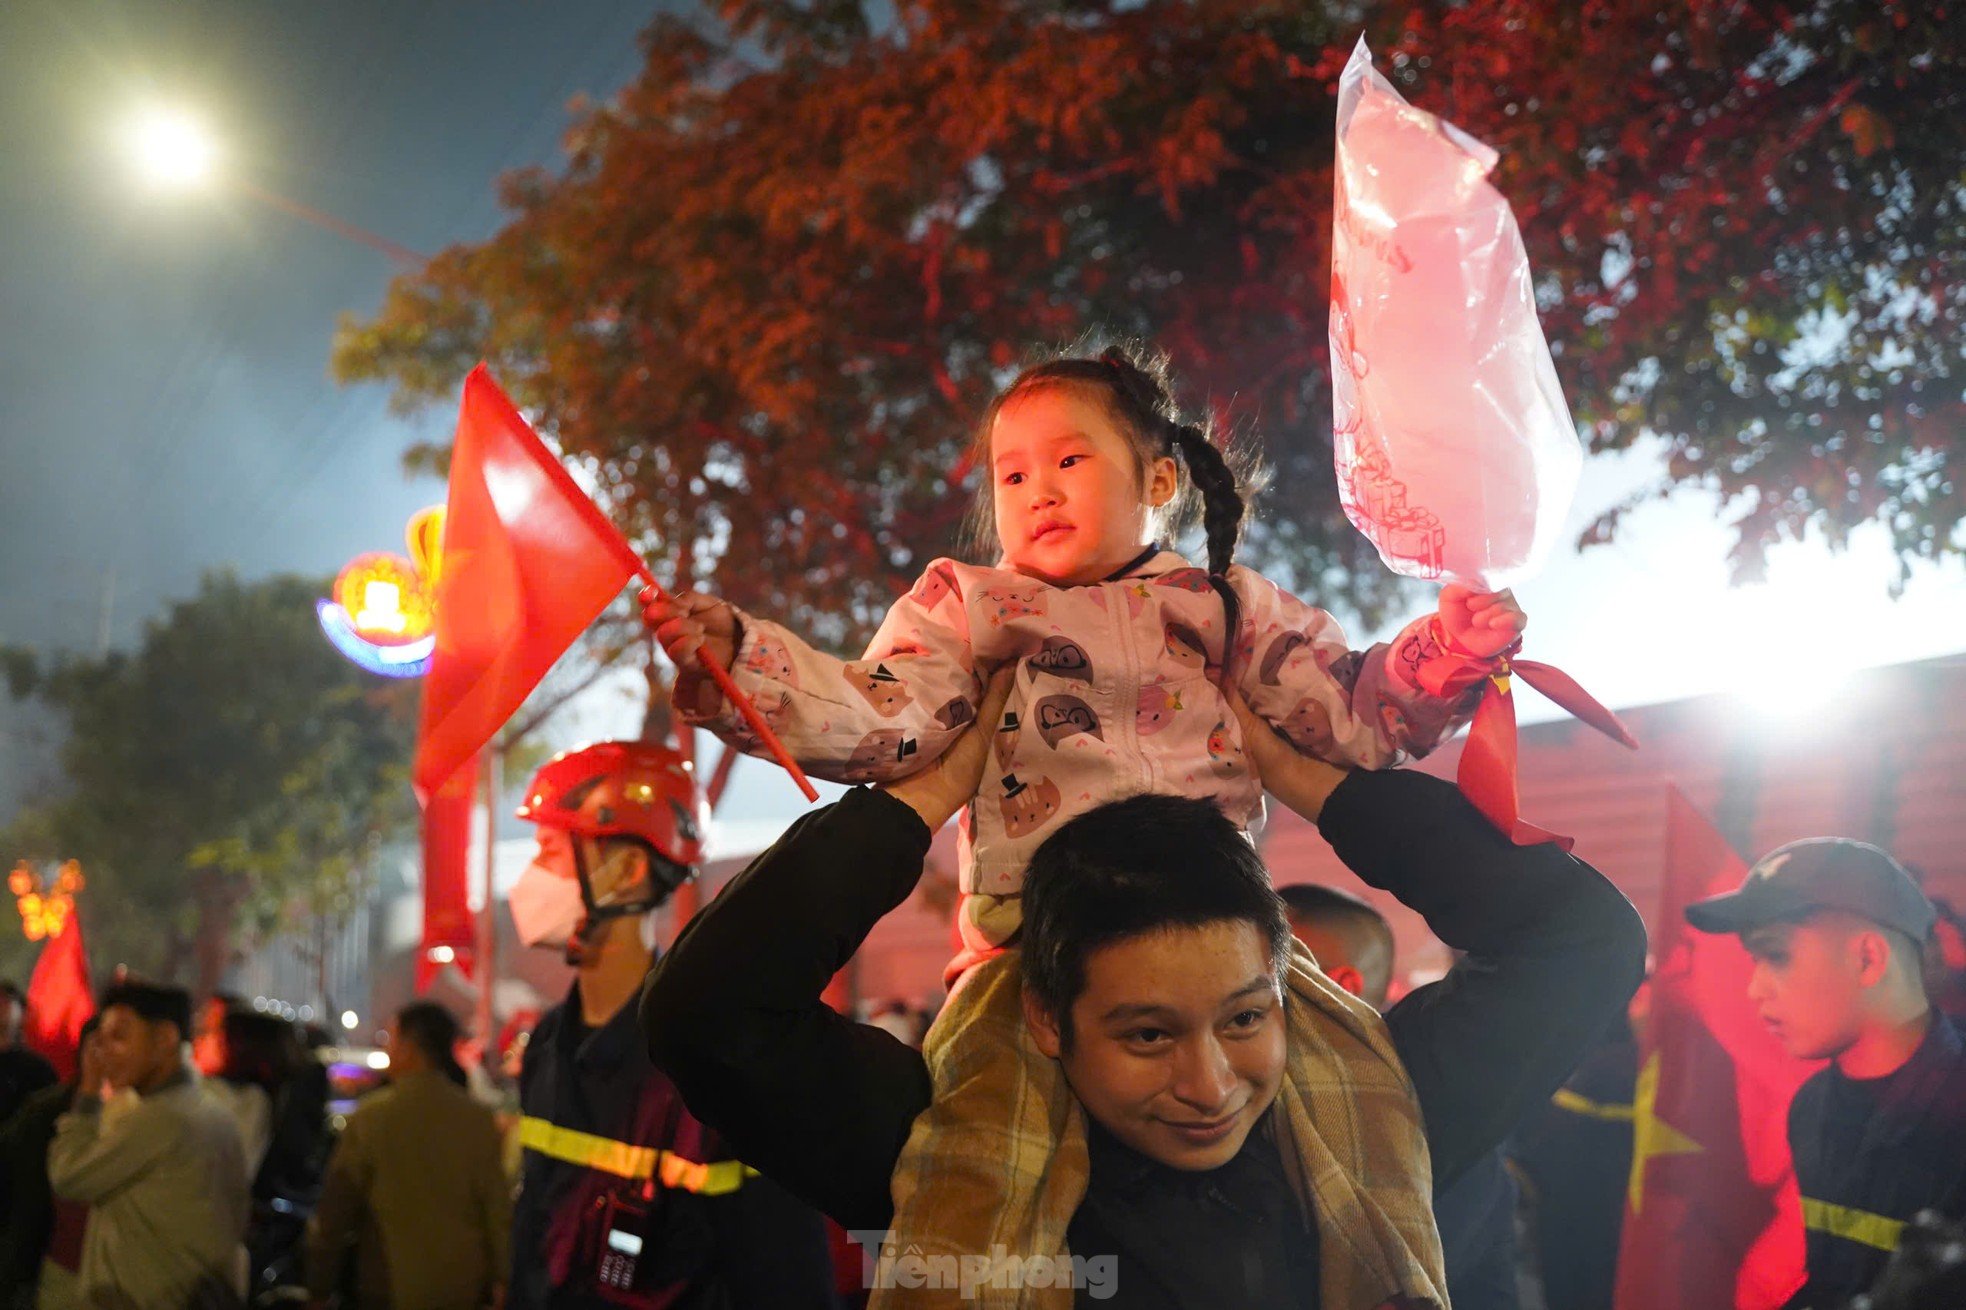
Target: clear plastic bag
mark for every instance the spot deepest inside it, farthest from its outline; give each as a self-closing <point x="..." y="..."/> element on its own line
<point x="1456" y="454"/>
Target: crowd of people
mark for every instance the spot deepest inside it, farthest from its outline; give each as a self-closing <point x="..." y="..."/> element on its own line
<point x="1155" y="1082"/>
<point x="179" y="1165"/>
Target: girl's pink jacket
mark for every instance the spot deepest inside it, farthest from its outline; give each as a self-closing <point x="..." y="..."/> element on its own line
<point x="1117" y="692"/>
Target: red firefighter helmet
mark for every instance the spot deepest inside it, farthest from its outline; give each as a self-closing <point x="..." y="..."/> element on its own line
<point x="622" y="789"/>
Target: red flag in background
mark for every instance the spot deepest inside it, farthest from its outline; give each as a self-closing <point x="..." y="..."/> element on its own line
<point x="1712" y="1219"/>
<point x="528" y="563"/>
<point x="59" y="1000"/>
<point x="447" y="919"/>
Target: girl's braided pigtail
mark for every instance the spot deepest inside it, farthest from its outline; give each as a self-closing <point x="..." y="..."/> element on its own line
<point x="1222" y="511"/>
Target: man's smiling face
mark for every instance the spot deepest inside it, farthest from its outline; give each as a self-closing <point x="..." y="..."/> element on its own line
<point x="1177" y="1041"/>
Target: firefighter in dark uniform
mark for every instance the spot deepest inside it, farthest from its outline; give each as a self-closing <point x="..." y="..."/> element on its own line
<point x="625" y="1199"/>
<point x="1837" y="929"/>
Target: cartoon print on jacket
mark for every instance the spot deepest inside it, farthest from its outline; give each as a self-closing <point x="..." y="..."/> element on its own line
<point x="1060" y="717"/>
<point x="1309" y="726"/>
<point x="1224" y="751"/>
<point x="931" y="588"/>
<point x="1004" y="744"/>
<point x="1158" y="706"/>
<point x="1135" y="593"/>
<point x="1278" y="652"/>
<point x="882" y="690"/>
<point x="1005" y="604"/>
<point x="956" y="713"/>
<point x="1184" y="647"/>
<point x="1063" y="657"/>
<point x="1027" y="806"/>
<point x="1418" y="649"/>
<point x="771" y="658"/>
<point x="876" y="752"/>
<point x="1195" y="580"/>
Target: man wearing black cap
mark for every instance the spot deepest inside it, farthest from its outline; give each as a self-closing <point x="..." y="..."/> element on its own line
<point x="1837" y="930"/>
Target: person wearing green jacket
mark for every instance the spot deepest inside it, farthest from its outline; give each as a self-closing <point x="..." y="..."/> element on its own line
<point x="416" y="1191"/>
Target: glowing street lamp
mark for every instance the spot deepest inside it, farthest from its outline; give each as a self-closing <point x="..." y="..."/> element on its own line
<point x="172" y="148"/>
<point x="176" y="151"/>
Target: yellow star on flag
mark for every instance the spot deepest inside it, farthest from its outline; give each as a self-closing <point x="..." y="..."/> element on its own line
<point x="1651" y="1135"/>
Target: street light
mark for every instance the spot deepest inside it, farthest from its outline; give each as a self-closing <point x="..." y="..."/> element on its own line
<point x="172" y="148"/>
<point x="176" y="151"/>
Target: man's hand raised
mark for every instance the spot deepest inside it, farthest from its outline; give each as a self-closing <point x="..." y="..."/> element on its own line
<point x="1299" y="781"/>
<point x="950" y="783"/>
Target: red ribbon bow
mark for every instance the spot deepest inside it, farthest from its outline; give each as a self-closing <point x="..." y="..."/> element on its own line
<point x="1487" y="775"/>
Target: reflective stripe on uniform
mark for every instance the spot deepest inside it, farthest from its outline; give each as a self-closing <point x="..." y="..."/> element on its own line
<point x="626" y="1161"/>
<point x="1565" y="1099"/>
<point x="1848" y="1222"/>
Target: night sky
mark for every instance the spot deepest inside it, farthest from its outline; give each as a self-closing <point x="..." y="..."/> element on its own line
<point x="164" y="367"/>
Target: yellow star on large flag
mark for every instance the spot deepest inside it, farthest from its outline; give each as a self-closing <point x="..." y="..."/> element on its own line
<point x="1651" y="1135"/>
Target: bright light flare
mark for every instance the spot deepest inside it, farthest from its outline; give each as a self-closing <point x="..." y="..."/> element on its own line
<point x="172" y="148"/>
<point x="1790" y="669"/>
<point x="1796" y="690"/>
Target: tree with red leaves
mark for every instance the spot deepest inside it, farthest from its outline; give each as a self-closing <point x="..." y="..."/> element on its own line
<point x="782" y="271"/>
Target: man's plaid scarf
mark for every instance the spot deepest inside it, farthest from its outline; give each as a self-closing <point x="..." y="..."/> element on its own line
<point x="999" y="1160"/>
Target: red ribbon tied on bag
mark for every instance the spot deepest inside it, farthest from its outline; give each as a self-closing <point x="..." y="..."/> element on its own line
<point x="1487" y="773"/>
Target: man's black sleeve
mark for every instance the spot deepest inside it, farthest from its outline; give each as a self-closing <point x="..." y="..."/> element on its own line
<point x="733" y="1013"/>
<point x="1553" y="950"/>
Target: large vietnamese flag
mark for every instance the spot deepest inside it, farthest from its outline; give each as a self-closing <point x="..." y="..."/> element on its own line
<point x="528" y="562"/>
<point x="59" y="1000"/>
<point x="1712" y="1219"/>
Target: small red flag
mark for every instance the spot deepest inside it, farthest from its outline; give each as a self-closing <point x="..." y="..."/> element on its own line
<point x="528" y="562"/>
<point x="59" y="1000"/>
<point x="1712" y="1218"/>
<point x="447" y="919"/>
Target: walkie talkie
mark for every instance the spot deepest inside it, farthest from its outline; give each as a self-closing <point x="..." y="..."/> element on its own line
<point x="624" y="1233"/>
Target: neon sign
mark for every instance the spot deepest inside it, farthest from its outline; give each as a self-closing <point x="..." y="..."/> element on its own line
<point x="382" y="615"/>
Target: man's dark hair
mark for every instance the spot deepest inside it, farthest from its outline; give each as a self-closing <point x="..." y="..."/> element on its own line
<point x="260" y="1049"/>
<point x="1368" y="938"/>
<point x="433" y="1030"/>
<point x="153" y="1003"/>
<point x="1132" y="867"/>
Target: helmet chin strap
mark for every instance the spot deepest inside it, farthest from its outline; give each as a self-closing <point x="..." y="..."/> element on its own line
<point x="588" y="932"/>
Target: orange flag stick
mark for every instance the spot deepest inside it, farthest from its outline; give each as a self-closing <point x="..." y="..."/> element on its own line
<point x="720" y="676"/>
